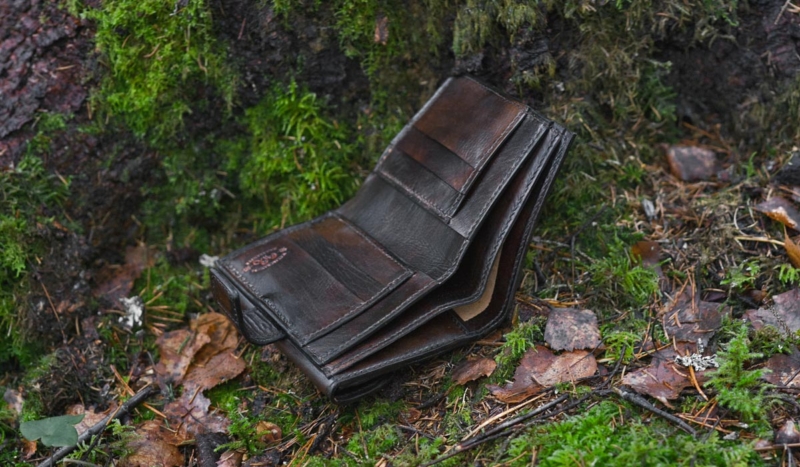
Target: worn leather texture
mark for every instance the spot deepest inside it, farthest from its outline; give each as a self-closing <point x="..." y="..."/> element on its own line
<point x="424" y="258"/>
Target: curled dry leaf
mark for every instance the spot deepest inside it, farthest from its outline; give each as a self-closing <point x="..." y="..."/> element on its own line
<point x="268" y="432"/>
<point x="90" y="419"/>
<point x="792" y="250"/>
<point x="690" y="319"/>
<point x="151" y="449"/>
<point x="190" y="414"/>
<point x="783" y="315"/>
<point x="784" y="369"/>
<point x="781" y="210"/>
<point x="788" y="434"/>
<point x="230" y="459"/>
<point x="217" y="369"/>
<point x="116" y="281"/>
<point x="691" y="163"/>
<point x="28" y="448"/>
<point x="571" y="328"/>
<point x="540" y="368"/>
<point x="177" y="349"/>
<point x="13" y="398"/>
<point x="662" y="379"/>
<point x="470" y="370"/>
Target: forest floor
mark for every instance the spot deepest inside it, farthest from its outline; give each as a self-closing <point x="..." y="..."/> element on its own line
<point x="657" y="322"/>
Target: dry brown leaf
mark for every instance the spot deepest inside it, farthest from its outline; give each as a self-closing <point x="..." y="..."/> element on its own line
<point x="90" y="418"/>
<point x="151" y="449"/>
<point x="781" y="210"/>
<point x="662" y="379"/>
<point x="190" y="414"/>
<point x="540" y="368"/>
<point x="691" y="320"/>
<point x="788" y="434"/>
<point x="13" y="398"/>
<point x="381" y="30"/>
<point x="691" y="163"/>
<point x="571" y="328"/>
<point x="268" y="432"/>
<point x="549" y="369"/>
<point x="28" y="448"/>
<point x="177" y="349"/>
<point x="230" y="459"/>
<point x="116" y="281"/>
<point x="783" y="315"/>
<point x="784" y="369"/>
<point x="792" y="250"/>
<point x="470" y="370"/>
<point x="221" y="332"/>
<point x="219" y="368"/>
<point x="647" y="252"/>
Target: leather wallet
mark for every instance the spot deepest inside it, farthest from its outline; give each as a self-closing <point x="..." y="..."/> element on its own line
<point x="424" y="258"/>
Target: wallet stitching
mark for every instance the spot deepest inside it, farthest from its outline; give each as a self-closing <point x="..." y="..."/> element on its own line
<point x="404" y="274"/>
<point x="490" y="200"/>
<point x="504" y="231"/>
<point x="452" y="268"/>
<point x="413" y="193"/>
<point x="378" y="323"/>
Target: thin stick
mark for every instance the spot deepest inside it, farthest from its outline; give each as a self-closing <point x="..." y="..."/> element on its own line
<point x="100" y="426"/>
<point x="642" y="402"/>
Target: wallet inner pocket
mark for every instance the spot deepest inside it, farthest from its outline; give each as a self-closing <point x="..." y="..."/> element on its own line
<point x="315" y="278"/>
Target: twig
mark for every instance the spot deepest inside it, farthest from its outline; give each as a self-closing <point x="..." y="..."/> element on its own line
<point x="100" y="426"/>
<point x="641" y="402"/>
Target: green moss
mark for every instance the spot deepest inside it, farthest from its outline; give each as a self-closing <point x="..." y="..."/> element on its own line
<point x="629" y="283"/>
<point x="161" y="56"/>
<point x="27" y="195"/>
<point x="594" y="438"/>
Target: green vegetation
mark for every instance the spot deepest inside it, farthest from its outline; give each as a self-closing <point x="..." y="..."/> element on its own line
<point x="630" y="284"/>
<point x="161" y="56"/>
<point x="739" y="389"/>
<point x="599" y="437"/>
<point x="28" y="199"/>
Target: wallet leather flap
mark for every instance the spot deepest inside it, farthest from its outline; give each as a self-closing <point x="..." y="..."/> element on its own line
<point x="442" y="151"/>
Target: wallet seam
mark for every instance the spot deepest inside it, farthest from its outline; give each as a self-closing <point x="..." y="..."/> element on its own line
<point x="495" y="247"/>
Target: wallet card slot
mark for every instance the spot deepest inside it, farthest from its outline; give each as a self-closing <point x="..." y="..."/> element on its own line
<point x="432" y="192"/>
<point x="436" y="158"/>
<point x="470" y="120"/>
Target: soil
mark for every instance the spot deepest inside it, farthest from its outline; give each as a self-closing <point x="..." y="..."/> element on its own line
<point x="48" y="64"/>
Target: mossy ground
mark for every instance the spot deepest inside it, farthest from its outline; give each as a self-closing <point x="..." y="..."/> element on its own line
<point x="238" y="156"/>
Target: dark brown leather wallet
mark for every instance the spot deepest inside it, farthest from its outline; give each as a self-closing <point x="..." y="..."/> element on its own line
<point x="424" y="258"/>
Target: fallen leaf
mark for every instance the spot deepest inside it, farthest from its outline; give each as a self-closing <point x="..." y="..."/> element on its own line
<point x="219" y="368"/>
<point x="470" y="370"/>
<point x="549" y="369"/>
<point x="28" y="449"/>
<point x="230" y="459"/>
<point x="116" y="281"/>
<point x="788" y="434"/>
<point x="150" y="447"/>
<point x="221" y="333"/>
<point x="13" y="398"/>
<point x="785" y="369"/>
<point x="662" y="379"/>
<point x="783" y="315"/>
<point x="693" y="320"/>
<point x="90" y="419"/>
<point x="647" y="252"/>
<point x="190" y="414"/>
<point x="692" y="163"/>
<point x="540" y="368"/>
<point x="781" y="210"/>
<point x="792" y="250"/>
<point x="571" y="328"/>
<point x="268" y="432"/>
<point x="381" y="30"/>
<point x="177" y="349"/>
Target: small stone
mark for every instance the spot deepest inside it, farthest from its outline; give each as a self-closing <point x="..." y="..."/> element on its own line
<point x="691" y="163"/>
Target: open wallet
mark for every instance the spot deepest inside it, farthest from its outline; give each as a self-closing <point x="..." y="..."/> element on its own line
<point x="426" y="257"/>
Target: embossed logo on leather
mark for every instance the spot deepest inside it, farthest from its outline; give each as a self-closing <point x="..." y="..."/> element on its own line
<point x="265" y="259"/>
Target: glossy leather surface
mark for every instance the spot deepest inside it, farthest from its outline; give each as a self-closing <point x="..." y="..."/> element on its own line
<point x="371" y="287"/>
